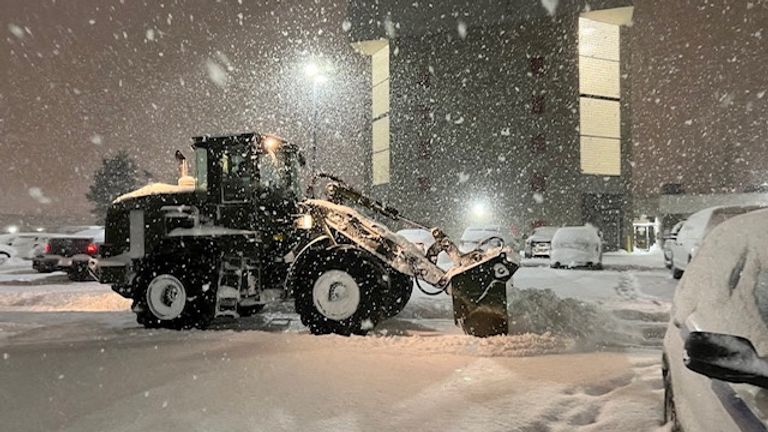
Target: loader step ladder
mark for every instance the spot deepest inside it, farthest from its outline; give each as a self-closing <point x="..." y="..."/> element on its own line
<point x="228" y="293"/>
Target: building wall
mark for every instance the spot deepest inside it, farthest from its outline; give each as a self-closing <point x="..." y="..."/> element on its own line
<point x="699" y="97"/>
<point x="491" y="116"/>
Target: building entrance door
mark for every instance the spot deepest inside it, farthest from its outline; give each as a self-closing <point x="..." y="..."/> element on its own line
<point x="604" y="211"/>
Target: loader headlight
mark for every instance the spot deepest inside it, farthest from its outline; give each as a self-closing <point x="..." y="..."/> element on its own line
<point x="304" y="222"/>
<point x="271" y="144"/>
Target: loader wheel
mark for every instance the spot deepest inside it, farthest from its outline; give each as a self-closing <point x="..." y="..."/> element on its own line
<point x="338" y="292"/>
<point x="175" y="302"/>
<point x="396" y="297"/>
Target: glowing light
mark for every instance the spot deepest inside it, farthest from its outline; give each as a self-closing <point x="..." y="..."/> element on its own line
<point x="479" y="210"/>
<point x="305" y="222"/>
<point x="13" y="229"/>
<point x="316" y="73"/>
<point x="271" y="144"/>
<point x="312" y="70"/>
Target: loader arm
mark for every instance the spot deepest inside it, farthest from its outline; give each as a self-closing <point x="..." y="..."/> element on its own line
<point x="477" y="281"/>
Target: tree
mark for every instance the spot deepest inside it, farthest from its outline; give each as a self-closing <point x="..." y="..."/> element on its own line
<point x="115" y="177"/>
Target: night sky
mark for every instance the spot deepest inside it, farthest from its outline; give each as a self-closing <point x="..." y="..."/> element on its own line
<point x="86" y="78"/>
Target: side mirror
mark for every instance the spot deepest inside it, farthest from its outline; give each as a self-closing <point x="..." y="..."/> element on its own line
<point x="725" y="357"/>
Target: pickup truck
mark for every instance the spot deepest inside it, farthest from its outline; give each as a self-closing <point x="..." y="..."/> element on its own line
<point x="71" y="254"/>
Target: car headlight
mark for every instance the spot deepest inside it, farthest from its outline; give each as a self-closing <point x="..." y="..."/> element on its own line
<point x="305" y="222"/>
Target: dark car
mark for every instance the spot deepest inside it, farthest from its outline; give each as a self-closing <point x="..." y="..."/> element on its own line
<point x="71" y="254"/>
<point x="540" y="242"/>
<point x="669" y="240"/>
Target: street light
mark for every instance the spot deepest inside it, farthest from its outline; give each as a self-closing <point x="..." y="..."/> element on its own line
<point x="316" y="76"/>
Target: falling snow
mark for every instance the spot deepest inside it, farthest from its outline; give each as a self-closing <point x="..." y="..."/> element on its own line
<point x="462" y="29"/>
<point x="37" y="194"/>
<point x="16" y="31"/>
<point x="216" y="73"/>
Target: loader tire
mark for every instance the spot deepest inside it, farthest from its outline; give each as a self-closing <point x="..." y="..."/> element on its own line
<point x="397" y="295"/>
<point x="339" y="291"/>
<point x="174" y="300"/>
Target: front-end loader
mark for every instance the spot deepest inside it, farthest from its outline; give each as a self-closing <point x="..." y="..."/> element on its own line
<point x="238" y="235"/>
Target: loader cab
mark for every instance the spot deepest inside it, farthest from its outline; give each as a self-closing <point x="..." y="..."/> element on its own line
<point x="247" y="180"/>
<point x="237" y="169"/>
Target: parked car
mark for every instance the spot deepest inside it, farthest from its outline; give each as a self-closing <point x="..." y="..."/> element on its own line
<point x="71" y="254"/>
<point x="695" y="229"/>
<point x="578" y="246"/>
<point x="539" y="242"/>
<point x="420" y="237"/>
<point x="713" y="366"/>
<point x="28" y="245"/>
<point x="484" y="237"/>
<point x="669" y="240"/>
<point x="423" y="239"/>
<point x="6" y="253"/>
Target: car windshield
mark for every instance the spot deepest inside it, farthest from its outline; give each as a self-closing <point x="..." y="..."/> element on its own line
<point x="204" y="208"/>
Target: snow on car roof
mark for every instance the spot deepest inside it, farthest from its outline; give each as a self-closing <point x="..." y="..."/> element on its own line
<point x="96" y="234"/>
<point x="575" y="233"/>
<point x="480" y="232"/>
<point x="544" y="233"/>
<point x="417" y="235"/>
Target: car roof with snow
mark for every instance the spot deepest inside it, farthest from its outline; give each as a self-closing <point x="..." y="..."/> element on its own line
<point x="96" y="234"/>
<point x="543" y="233"/>
<point x="417" y="235"/>
<point x="481" y="232"/>
<point x="701" y="222"/>
<point x="576" y="233"/>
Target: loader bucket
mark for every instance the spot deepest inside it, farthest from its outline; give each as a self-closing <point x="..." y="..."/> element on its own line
<point x="480" y="297"/>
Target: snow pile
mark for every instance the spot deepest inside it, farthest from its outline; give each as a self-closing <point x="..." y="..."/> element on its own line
<point x="542" y="311"/>
<point x="68" y="298"/>
<point x="524" y="345"/>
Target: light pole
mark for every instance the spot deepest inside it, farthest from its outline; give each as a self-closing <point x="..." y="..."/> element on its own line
<point x="317" y="78"/>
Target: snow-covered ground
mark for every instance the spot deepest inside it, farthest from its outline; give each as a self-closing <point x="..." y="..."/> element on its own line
<point x="72" y="358"/>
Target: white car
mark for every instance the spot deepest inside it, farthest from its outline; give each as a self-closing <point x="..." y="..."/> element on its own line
<point x="420" y="237"/>
<point x="484" y="237"/>
<point x="715" y="379"/>
<point x="30" y="245"/>
<point x="579" y="246"/>
<point x="695" y="229"/>
<point x="6" y="253"/>
<point x="424" y="240"/>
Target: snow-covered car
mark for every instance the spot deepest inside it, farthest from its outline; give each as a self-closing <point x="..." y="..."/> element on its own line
<point x="6" y="253"/>
<point x="423" y="239"/>
<point x="669" y="240"/>
<point x="420" y="237"/>
<point x="71" y="254"/>
<point x="539" y="242"/>
<point x="695" y="229"/>
<point x="715" y="379"/>
<point x="578" y="246"/>
<point x="484" y="237"/>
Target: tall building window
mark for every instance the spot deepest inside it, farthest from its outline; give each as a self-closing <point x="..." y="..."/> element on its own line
<point x="380" y="114"/>
<point x="539" y="144"/>
<point x="600" y="106"/>
<point x="538" y="182"/>
<point x="537" y="65"/>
